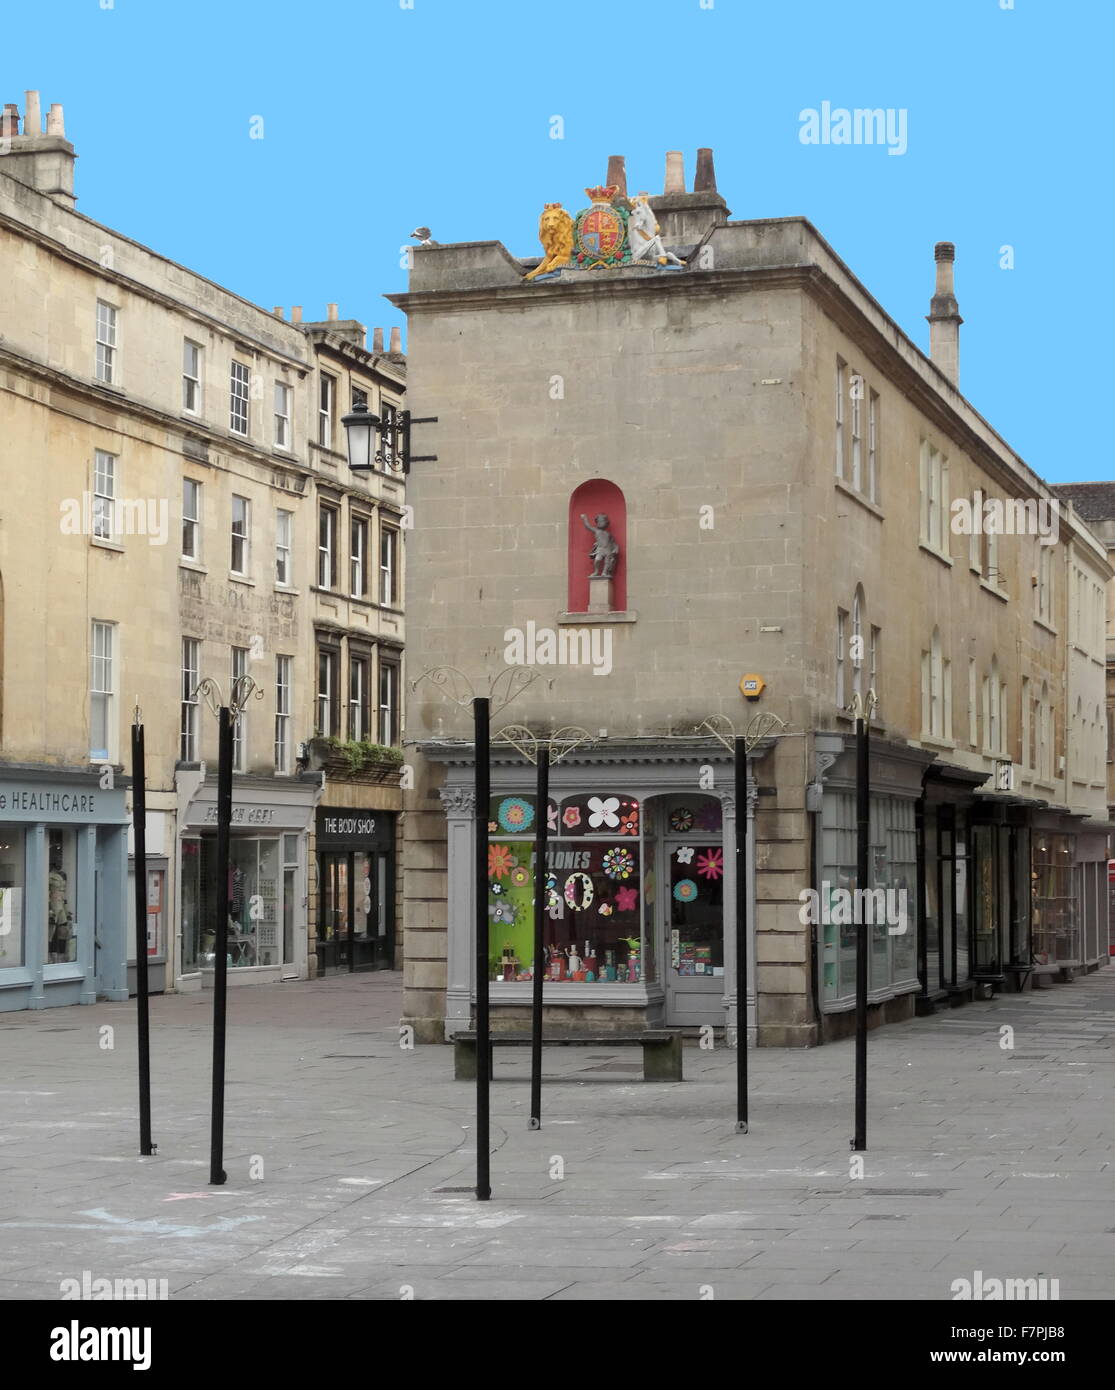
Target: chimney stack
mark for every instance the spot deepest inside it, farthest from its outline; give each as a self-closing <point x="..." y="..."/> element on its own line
<point x="377" y="339"/>
<point x="397" y="335"/>
<point x="278" y="311"/>
<point x="331" y="313"/>
<point x="944" y="316"/>
<point x="675" y="172"/>
<point x="617" y="174"/>
<point x="296" y="313"/>
<point x="687" y="218"/>
<point x="705" y="179"/>
<point x="46" y="162"/>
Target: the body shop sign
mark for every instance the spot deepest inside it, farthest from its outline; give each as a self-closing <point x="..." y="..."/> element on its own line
<point x="342" y="828"/>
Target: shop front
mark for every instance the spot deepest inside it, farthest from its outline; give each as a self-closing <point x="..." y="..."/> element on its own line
<point x="638" y="884"/>
<point x="266" y="882"/>
<point x="356" y="890"/>
<point x="1069" y="901"/>
<point x="63" y="877"/>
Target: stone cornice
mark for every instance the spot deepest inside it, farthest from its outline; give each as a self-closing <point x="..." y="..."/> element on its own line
<point x="116" y="401"/>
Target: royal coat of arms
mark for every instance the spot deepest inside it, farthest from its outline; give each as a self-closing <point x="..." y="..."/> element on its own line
<point x="600" y="231"/>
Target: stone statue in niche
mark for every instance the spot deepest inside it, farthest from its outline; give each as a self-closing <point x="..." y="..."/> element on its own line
<point x="605" y="548"/>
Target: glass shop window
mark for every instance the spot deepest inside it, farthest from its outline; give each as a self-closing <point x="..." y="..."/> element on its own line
<point x="1053" y="903"/>
<point x="253" y="902"/>
<point x="156" y="887"/>
<point x="693" y="828"/>
<point x="61" y="896"/>
<point x="594" y="888"/>
<point x="11" y="896"/>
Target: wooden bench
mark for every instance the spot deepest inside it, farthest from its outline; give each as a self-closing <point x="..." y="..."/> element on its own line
<point x="661" y="1049"/>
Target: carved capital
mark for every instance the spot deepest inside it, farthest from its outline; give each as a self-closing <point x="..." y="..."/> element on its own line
<point x="824" y="762"/>
<point x="458" y="801"/>
<point x="728" y="802"/>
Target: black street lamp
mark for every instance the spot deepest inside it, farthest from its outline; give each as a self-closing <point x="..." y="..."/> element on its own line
<point x="361" y="431"/>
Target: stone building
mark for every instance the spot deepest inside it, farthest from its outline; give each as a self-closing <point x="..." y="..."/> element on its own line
<point x="159" y="525"/>
<point x="786" y="478"/>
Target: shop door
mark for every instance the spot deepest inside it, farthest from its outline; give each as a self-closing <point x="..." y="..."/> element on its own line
<point x="691" y="910"/>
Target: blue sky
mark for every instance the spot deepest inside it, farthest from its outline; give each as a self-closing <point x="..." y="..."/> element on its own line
<point x="377" y="118"/>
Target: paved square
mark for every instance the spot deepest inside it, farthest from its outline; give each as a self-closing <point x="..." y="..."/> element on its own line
<point x="350" y="1166"/>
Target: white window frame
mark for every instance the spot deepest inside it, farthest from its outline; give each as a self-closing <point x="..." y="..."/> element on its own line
<point x="239" y="398"/>
<point x="327" y="567"/>
<point x="873" y="445"/>
<point x="106" y="341"/>
<point x="191" y="521"/>
<point x="856" y="396"/>
<point x="359" y="532"/>
<point x="841" y="370"/>
<point x="329" y="659"/>
<point x="188" y="705"/>
<point x="104" y="495"/>
<point x="389" y="568"/>
<point x="103" y="658"/>
<point x="284" y="680"/>
<point x="282" y="415"/>
<point x="191" y="380"/>
<point x="240" y="660"/>
<point x="841" y="643"/>
<point x="284" y="548"/>
<point x="388" y="711"/>
<point x="326" y="405"/>
<point x="244" y="537"/>
<point x="359" y="700"/>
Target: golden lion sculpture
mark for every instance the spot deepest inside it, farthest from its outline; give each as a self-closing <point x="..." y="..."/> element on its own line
<point x="555" y="232"/>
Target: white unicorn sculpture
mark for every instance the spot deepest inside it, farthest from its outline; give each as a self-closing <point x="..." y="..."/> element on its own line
<point x="644" y="235"/>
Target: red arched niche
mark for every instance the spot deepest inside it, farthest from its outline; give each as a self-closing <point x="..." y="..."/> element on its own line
<point x="596" y="497"/>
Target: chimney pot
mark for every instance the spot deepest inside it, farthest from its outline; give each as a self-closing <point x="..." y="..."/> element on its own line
<point x="331" y="312"/>
<point x="278" y="311"/>
<point x="397" y="335"/>
<point x="55" y="121"/>
<point x="675" y="172"/>
<point x="944" y="315"/>
<point x="704" y="180"/>
<point x="377" y="339"/>
<point x="9" y="121"/>
<point x="296" y="313"/>
<point x="32" y="116"/>
<point x="617" y="174"/>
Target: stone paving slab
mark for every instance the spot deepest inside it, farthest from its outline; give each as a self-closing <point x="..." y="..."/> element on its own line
<point x="351" y="1160"/>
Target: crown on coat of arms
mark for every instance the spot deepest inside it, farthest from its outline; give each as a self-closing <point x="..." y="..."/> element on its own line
<point x="602" y="193"/>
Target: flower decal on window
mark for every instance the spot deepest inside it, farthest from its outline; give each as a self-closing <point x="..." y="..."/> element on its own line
<point x="551" y="816"/>
<point x="515" y="814"/>
<point x="571" y="817"/>
<point x="685" y="890"/>
<point x="626" y="899"/>
<point x="619" y="863"/>
<point x="602" y="811"/>
<point x="520" y="876"/>
<point x="503" y="913"/>
<point x="605" y="909"/>
<point x="629" y="818"/>
<point x="681" y="819"/>
<point x="493" y="828"/>
<point x="553" y="897"/>
<point x="497" y="889"/>
<point x="500" y="861"/>
<point x="711" y="863"/>
<point x="685" y="854"/>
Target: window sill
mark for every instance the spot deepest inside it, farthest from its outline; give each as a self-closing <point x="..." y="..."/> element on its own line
<point x="1040" y="622"/>
<point x="234" y="578"/>
<point x="244" y="438"/>
<point x="195" y="565"/>
<point x="329" y="454"/>
<point x="994" y="590"/>
<point x="109" y="386"/>
<point x="62" y="970"/>
<point x="15" y="976"/>
<point x="102" y="544"/>
<point x="590" y="619"/>
<point x="287" y="590"/>
<point x="865" y="502"/>
<point x="931" y="741"/>
<point x="937" y="554"/>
